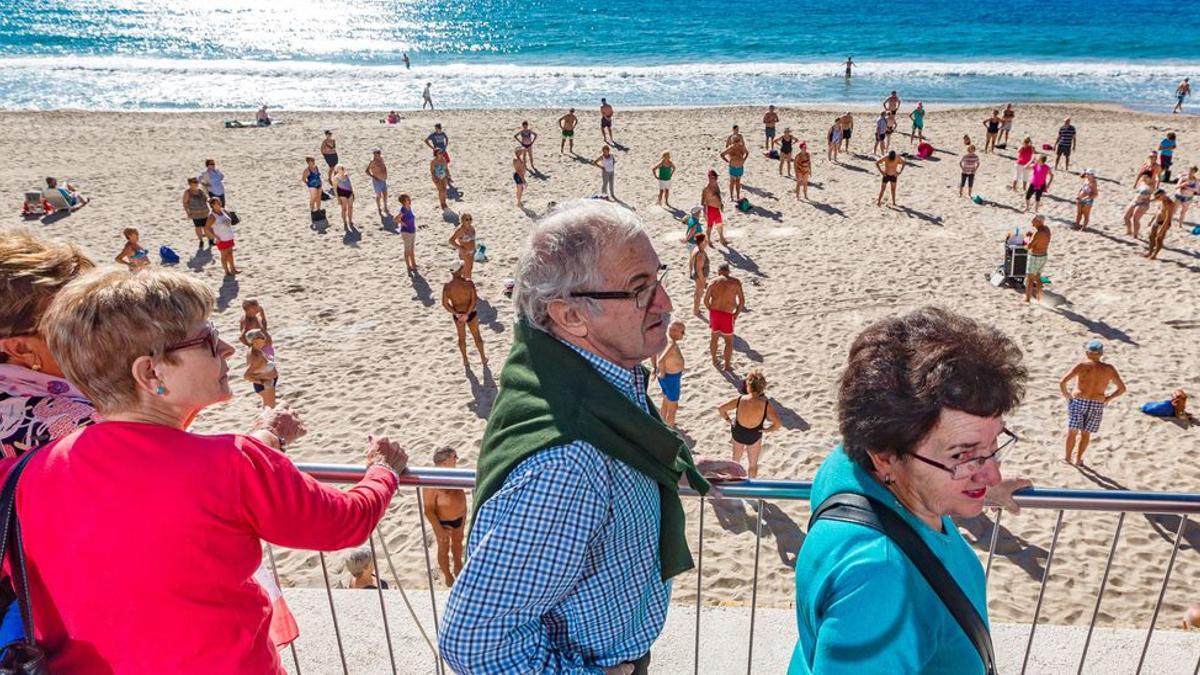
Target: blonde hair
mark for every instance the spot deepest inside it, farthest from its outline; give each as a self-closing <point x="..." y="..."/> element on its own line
<point x="102" y="322"/>
<point x="32" y="272"/>
<point x="756" y="382"/>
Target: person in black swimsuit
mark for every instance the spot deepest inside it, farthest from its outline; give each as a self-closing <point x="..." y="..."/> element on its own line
<point x="446" y="511"/>
<point x="786" y="143"/>
<point x="746" y="435"/>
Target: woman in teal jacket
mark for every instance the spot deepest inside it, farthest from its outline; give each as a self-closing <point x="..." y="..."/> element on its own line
<point x="921" y="408"/>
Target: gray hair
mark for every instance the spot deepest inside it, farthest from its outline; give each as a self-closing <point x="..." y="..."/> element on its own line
<point x="358" y="561"/>
<point x="564" y="254"/>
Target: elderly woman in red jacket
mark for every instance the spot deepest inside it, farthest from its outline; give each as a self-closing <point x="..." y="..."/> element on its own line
<point x="141" y="538"/>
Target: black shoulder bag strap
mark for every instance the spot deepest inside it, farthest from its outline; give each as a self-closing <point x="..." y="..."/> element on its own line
<point x="849" y="507"/>
<point x="22" y="657"/>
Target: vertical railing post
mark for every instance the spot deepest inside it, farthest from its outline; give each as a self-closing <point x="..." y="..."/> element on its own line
<point x="387" y="632"/>
<point x="699" y="586"/>
<point x="438" y="664"/>
<point x="1161" y="592"/>
<point x="1042" y="591"/>
<point x="404" y="596"/>
<point x="987" y="571"/>
<point x="1112" y="551"/>
<point x="337" y="631"/>
<point x="275" y="573"/>
<point x="754" y="586"/>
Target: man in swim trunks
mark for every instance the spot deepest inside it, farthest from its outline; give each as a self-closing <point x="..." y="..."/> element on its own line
<point x="735" y="136"/>
<point x="1085" y="409"/>
<point x="847" y="123"/>
<point x="735" y="155"/>
<point x="725" y="301"/>
<point x="892" y="103"/>
<point x="606" y="115"/>
<point x="770" y="119"/>
<point x="377" y="170"/>
<point x="1181" y="92"/>
<point x="329" y="153"/>
<point x="460" y="299"/>
<point x="710" y="199"/>
<point x="1037" y="241"/>
<point x="668" y="369"/>
<point x="890" y="167"/>
<point x="849" y="64"/>
<point x="1064" y="144"/>
<point x="427" y="97"/>
<point x="446" y="511"/>
<point x="567" y="124"/>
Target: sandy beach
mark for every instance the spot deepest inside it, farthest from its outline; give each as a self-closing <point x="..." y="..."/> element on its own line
<point x="362" y="349"/>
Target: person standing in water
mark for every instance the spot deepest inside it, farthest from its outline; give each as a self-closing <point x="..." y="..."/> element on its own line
<point x="427" y="97"/>
<point x="849" y="64"/>
<point x="1181" y="92"/>
<point x="407" y="63"/>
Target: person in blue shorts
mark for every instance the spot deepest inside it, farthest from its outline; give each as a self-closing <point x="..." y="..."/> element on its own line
<point x="377" y="170"/>
<point x="668" y="369"/>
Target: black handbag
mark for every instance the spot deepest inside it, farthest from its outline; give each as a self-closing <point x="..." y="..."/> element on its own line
<point x="849" y="507"/>
<point x="21" y="657"/>
<point x="233" y="218"/>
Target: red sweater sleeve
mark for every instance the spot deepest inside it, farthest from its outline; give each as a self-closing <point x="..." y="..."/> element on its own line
<point x="288" y="507"/>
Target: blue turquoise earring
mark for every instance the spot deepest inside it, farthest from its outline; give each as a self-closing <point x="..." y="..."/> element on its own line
<point x="161" y="390"/>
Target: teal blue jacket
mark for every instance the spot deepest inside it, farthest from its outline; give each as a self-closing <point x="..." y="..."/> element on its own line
<point x="862" y="607"/>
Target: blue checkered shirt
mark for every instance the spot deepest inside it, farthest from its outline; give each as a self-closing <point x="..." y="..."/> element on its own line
<point x="563" y="571"/>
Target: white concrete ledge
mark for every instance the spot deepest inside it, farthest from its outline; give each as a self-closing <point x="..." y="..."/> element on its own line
<point x="723" y="640"/>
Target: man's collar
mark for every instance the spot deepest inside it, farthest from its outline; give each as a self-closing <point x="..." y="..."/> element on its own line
<point x="616" y="375"/>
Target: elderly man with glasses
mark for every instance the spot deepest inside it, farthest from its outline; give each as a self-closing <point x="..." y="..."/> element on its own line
<point x="577" y="526"/>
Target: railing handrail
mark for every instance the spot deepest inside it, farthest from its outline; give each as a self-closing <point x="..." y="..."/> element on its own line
<point x="1037" y="498"/>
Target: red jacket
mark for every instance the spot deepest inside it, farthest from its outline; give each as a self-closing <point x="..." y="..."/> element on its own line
<point x="141" y="542"/>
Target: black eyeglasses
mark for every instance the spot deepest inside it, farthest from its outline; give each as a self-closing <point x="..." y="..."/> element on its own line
<point x="964" y="470"/>
<point x="211" y="336"/>
<point x="642" y="297"/>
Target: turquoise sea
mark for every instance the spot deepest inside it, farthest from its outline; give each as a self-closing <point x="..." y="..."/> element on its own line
<point x="347" y="54"/>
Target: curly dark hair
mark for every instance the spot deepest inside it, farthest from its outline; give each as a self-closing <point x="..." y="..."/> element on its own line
<point x="902" y="371"/>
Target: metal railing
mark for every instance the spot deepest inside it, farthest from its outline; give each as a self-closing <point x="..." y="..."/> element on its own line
<point x="1121" y="502"/>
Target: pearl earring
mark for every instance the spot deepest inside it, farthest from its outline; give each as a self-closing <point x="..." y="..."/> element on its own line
<point x="888" y="480"/>
<point x="160" y="390"/>
<point x="36" y="366"/>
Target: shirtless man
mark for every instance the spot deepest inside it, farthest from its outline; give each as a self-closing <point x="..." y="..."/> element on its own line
<point x="1086" y="406"/>
<point x="459" y="298"/>
<point x="770" y="119"/>
<point x="892" y="103"/>
<point x="849" y="64"/>
<point x="329" y="153"/>
<point x="890" y="167"/>
<point x="377" y="170"/>
<point x="606" y="115"/>
<point x="1181" y="92"/>
<point x="710" y="199"/>
<point x="735" y="136"/>
<point x="446" y="511"/>
<point x="847" y="130"/>
<point x="527" y="137"/>
<point x="668" y="369"/>
<point x="567" y="124"/>
<point x="1037" y="241"/>
<point x="725" y="302"/>
<point x="427" y="97"/>
<point x="519" y="179"/>
<point x="736" y="155"/>
<point x="1162" y="222"/>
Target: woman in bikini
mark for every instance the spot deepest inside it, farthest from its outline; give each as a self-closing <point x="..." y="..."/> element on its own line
<point x="133" y="255"/>
<point x="345" y="195"/>
<point x="698" y="270"/>
<point x="260" y="367"/>
<point x="254" y="317"/>
<point x="1143" y="191"/>
<point x="526" y="137"/>
<point x="312" y="180"/>
<point x="463" y="241"/>
<point x="440" y="174"/>
<point x="803" y="169"/>
<point x="1085" y="198"/>
<point x="1185" y="192"/>
<point x="786" y="142"/>
<point x="750" y="412"/>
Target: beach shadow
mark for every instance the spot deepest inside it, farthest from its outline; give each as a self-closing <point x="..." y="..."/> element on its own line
<point x="854" y="167"/>
<point x="529" y="213"/>
<point x="319" y="226"/>
<point x="449" y="216"/>
<point x="199" y="259"/>
<point x="1101" y="328"/>
<point x="761" y="212"/>
<point x="535" y="173"/>
<point x="790" y="419"/>
<point x="741" y="262"/>
<point x="759" y="192"/>
<point x="998" y="205"/>
<point x="617" y="146"/>
<point x="732" y="515"/>
<point x="743" y="347"/>
<point x="421" y="290"/>
<point x="454" y="193"/>
<point x="227" y="293"/>
<point x="1056" y="198"/>
<point x="488" y="316"/>
<point x="829" y="208"/>
<point x="1165" y="525"/>
<point x="919" y="215"/>
<point x="55" y="217"/>
<point x="1180" y="251"/>
<point x="1030" y="558"/>
<point x="351" y="237"/>
<point x="387" y="223"/>
<point x="483" y="392"/>
<point x="788" y="535"/>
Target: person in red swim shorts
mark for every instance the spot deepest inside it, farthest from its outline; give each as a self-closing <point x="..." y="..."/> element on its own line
<point x="710" y="198"/>
<point x="725" y="302"/>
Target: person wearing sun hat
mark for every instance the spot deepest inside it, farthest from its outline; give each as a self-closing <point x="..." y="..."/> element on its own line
<point x="1085" y="407"/>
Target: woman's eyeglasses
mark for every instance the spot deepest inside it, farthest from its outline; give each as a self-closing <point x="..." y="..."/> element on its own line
<point x="211" y="337"/>
<point x="642" y="297"/>
<point x="964" y="470"/>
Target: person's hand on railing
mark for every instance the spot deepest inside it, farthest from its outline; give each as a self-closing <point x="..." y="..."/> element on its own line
<point x="283" y="423"/>
<point x="1000" y="495"/>
<point x="620" y="669"/>
<point x="385" y="452"/>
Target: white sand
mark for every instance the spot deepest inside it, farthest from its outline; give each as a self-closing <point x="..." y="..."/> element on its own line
<point x="362" y="351"/>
